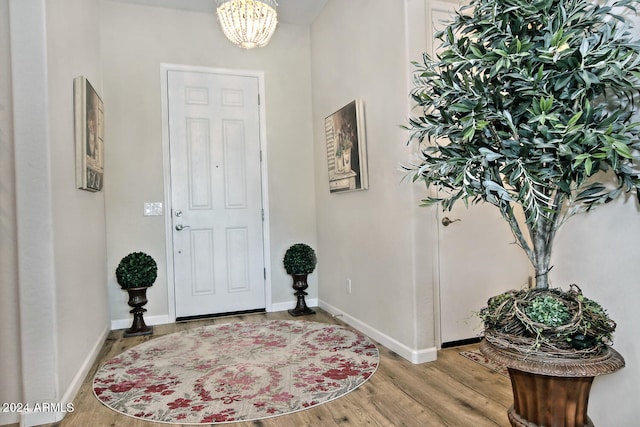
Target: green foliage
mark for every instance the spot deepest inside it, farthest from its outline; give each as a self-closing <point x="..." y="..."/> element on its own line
<point x="531" y="104"/>
<point x="596" y="321"/>
<point x="300" y="259"/>
<point x="136" y="270"/>
<point x="550" y="320"/>
<point x="547" y="310"/>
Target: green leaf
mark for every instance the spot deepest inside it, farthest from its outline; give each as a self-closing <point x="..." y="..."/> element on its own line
<point x="574" y="119"/>
<point x="476" y="51"/>
<point x="461" y="108"/>
<point x="489" y="155"/>
<point x="546" y="104"/>
<point x="588" y="164"/>
<point x="469" y="133"/>
<point x="622" y="149"/>
<point x="430" y="201"/>
<point x="584" y="47"/>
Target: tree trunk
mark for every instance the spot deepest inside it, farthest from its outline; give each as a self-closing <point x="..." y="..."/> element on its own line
<point x="541" y="233"/>
<point x="542" y="242"/>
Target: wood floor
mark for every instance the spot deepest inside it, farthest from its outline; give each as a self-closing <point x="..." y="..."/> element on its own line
<point x="453" y="391"/>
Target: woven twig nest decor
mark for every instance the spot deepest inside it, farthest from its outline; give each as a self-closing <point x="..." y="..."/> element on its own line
<point x="551" y="321"/>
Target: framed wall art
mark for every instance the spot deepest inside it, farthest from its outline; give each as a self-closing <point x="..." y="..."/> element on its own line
<point x="347" y="149"/>
<point x="89" y="135"/>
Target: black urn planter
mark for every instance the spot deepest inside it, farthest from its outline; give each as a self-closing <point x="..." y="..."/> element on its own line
<point x="300" y="261"/>
<point x="135" y="273"/>
<point x="137" y="299"/>
<point x="299" y="285"/>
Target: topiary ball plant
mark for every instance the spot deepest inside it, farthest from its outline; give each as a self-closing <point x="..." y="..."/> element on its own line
<point x="300" y="259"/>
<point x="136" y="270"/>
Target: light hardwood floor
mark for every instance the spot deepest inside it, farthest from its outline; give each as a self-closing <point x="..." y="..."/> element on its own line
<point x="453" y="391"/>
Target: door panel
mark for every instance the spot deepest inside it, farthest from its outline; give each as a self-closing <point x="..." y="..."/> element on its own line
<point x="478" y="259"/>
<point x="477" y="254"/>
<point x="216" y="197"/>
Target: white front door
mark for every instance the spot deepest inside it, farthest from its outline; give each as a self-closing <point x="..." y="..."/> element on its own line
<point x="477" y="254"/>
<point x="216" y="199"/>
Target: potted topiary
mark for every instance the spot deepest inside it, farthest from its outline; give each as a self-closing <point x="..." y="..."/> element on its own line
<point x="135" y="273"/>
<point x="529" y="105"/>
<point x="300" y="261"/>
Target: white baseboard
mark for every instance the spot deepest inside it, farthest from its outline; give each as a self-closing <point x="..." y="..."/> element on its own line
<point x="149" y="320"/>
<point x="46" y="414"/>
<point x="415" y="356"/>
<point x="284" y="306"/>
<point x="28" y="419"/>
<point x="164" y="319"/>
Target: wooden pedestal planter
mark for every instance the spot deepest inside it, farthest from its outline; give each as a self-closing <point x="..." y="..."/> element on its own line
<point x="551" y="391"/>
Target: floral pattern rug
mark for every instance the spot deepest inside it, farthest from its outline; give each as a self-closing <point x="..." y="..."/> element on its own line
<point x="481" y="359"/>
<point x="236" y="372"/>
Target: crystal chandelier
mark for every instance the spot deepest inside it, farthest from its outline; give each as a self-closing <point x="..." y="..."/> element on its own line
<point x="248" y="23"/>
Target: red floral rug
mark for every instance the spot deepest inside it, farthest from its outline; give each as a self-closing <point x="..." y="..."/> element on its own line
<point x="481" y="359"/>
<point x="236" y="372"/>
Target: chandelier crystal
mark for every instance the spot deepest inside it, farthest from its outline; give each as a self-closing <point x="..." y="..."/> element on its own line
<point x="248" y="23"/>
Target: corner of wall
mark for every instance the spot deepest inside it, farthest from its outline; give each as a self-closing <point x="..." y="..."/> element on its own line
<point x="413" y="355"/>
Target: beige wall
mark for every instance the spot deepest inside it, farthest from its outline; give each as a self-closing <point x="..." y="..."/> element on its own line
<point x="135" y="41"/>
<point x="57" y="248"/>
<point x="78" y="216"/>
<point x="599" y="252"/>
<point x="359" y="51"/>
<point x="11" y="389"/>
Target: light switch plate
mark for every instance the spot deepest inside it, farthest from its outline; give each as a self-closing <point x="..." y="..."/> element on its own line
<point x="152" y="208"/>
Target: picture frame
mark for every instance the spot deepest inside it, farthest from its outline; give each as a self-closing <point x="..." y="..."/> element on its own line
<point x="347" y="149"/>
<point x="89" y="135"/>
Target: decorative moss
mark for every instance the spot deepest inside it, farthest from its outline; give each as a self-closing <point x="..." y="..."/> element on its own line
<point x="547" y="320"/>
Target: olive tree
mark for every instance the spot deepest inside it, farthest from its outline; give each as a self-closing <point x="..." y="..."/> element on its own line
<point x="530" y="103"/>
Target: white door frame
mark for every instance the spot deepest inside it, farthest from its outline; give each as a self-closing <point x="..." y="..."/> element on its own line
<point x="164" y="70"/>
<point x="446" y="6"/>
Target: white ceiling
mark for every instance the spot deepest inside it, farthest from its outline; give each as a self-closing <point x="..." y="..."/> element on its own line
<point x="301" y="12"/>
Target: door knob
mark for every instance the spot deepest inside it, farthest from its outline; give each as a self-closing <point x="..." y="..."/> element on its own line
<point x="446" y="221"/>
<point x="181" y="227"/>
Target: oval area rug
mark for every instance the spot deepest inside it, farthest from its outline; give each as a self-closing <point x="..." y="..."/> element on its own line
<point x="239" y="371"/>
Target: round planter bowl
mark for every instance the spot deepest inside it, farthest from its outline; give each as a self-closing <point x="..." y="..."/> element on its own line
<point x="551" y="391"/>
